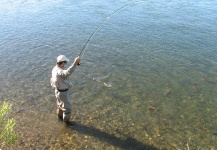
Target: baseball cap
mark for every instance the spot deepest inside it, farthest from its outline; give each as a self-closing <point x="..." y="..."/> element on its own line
<point x="61" y="58"/>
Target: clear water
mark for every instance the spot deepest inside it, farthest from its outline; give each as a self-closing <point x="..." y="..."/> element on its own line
<point x="147" y="79"/>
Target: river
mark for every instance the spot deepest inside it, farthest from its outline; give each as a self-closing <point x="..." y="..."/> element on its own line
<point x="147" y="79"/>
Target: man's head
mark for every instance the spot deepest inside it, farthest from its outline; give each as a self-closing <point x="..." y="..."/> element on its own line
<point x="62" y="60"/>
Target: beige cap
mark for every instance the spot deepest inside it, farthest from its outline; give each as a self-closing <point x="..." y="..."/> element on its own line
<point x="61" y="58"/>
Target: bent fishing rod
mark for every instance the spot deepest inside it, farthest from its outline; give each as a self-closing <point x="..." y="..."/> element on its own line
<point x="107" y="18"/>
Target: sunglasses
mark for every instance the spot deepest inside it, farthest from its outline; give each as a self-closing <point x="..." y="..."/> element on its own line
<point x="60" y="63"/>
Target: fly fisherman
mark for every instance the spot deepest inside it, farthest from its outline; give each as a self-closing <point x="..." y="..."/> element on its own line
<point x="60" y="82"/>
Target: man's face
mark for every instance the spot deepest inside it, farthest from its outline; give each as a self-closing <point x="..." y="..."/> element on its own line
<point x="62" y="65"/>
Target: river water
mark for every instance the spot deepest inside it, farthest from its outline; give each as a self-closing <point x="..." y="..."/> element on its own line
<point x="147" y="79"/>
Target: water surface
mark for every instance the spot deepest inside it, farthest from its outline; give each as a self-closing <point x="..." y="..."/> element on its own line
<point x="147" y="79"/>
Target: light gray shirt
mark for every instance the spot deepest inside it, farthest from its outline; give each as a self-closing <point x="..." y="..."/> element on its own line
<point x="60" y="77"/>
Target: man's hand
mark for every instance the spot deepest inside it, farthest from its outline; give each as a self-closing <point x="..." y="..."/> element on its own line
<point x="77" y="60"/>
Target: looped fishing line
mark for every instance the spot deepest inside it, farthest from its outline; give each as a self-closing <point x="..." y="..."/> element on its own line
<point x="106" y="19"/>
<point x="91" y="36"/>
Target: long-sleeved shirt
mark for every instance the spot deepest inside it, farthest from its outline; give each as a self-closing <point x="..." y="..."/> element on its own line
<point x="60" y="77"/>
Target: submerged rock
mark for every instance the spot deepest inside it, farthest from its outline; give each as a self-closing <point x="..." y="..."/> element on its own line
<point x="167" y="91"/>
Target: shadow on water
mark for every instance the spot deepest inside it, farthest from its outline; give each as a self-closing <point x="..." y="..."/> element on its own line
<point x="128" y="143"/>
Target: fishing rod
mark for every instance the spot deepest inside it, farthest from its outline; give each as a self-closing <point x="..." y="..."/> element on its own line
<point x="107" y="18"/>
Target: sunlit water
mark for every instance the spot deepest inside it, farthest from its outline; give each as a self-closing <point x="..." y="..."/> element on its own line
<point x="147" y="78"/>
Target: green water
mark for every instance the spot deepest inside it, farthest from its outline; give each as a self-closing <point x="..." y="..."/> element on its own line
<point x="147" y="78"/>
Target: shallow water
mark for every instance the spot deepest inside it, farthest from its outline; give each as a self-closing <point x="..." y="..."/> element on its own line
<point x="147" y="78"/>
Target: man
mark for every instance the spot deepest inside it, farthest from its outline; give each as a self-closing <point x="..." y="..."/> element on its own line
<point x="60" y="81"/>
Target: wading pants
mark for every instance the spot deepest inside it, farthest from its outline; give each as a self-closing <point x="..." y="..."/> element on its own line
<point x="63" y="105"/>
